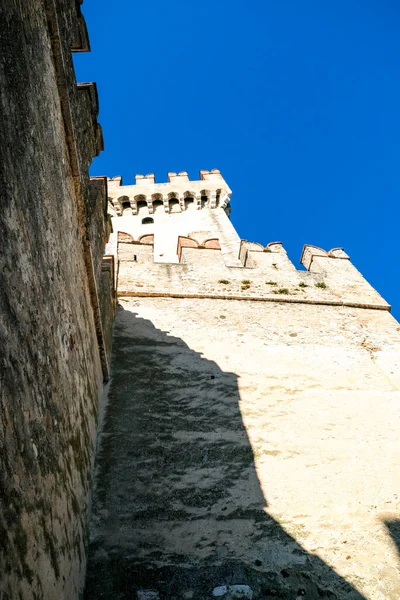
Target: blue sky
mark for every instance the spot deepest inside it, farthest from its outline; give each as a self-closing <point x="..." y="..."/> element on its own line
<point x="297" y="103"/>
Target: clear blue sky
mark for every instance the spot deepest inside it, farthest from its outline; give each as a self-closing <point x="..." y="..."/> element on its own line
<point x="297" y="103"/>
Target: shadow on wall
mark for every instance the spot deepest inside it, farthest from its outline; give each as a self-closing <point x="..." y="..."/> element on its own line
<point x="178" y="507"/>
<point x="393" y="525"/>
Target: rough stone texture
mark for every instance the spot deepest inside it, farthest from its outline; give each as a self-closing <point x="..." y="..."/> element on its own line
<point x="251" y="439"/>
<point x="51" y="327"/>
<point x="272" y="277"/>
<point x="249" y="443"/>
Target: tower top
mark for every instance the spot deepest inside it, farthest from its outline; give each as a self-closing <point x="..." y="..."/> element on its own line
<point x="210" y="185"/>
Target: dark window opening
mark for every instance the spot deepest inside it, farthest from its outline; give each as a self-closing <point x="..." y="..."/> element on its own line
<point x="158" y="205"/>
<point x="147" y="221"/>
<point x="126" y="207"/>
<point x="189" y="202"/>
<point x="174" y="205"/>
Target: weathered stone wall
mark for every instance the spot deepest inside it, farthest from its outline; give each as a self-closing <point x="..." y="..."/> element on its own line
<point x="249" y="443"/>
<point x="267" y="276"/>
<point x="98" y="230"/>
<point x="52" y="347"/>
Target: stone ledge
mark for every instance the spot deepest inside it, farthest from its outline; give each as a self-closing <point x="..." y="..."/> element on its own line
<point x="131" y="294"/>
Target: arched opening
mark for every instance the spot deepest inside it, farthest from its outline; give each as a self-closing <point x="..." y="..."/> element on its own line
<point x="158" y="206"/>
<point x="174" y="205"/>
<point x="204" y="201"/>
<point x="126" y="208"/>
<point x="147" y="221"/>
<point x="142" y="206"/>
<point x="189" y="203"/>
<point x="125" y="205"/>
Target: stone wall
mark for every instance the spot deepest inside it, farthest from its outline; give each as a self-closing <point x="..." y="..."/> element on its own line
<point x="249" y="443"/>
<point x="54" y="322"/>
<point x="268" y="275"/>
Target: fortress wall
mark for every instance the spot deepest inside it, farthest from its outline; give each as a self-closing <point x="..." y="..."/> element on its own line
<point x="181" y="217"/>
<point x="98" y="231"/>
<point x="250" y="437"/>
<point x="272" y="277"/>
<point x="53" y="318"/>
<point x="249" y="443"/>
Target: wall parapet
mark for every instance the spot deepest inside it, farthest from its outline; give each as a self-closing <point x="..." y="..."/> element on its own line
<point x="310" y="252"/>
<point x="210" y="191"/>
<point x="268" y="275"/>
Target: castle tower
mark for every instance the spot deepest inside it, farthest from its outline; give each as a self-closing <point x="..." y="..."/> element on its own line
<point x="180" y="213"/>
<point x="250" y="442"/>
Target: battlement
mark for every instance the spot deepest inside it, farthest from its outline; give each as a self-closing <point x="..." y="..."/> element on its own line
<point x="267" y="274"/>
<point x="176" y="195"/>
<point x="184" y="224"/>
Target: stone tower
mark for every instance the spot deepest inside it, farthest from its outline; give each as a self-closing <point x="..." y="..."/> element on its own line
<point x="250" y="442"/>
<point x="194" y="211"/>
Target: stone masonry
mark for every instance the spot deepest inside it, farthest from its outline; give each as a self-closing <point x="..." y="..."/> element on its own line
<point x="250" y="443"/>
<point x="56" y="300"/>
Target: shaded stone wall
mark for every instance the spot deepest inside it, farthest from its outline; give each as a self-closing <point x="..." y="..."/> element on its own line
<point x="248" y="443"/>
<point x="53" y="355"/>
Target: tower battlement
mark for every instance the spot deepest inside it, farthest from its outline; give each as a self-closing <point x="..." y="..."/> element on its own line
<point x="176" y="195"/>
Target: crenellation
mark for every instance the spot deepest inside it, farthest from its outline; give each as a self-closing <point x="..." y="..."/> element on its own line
<point x="200" y="270"/>
<point x="87" y="109"/>
<point x="190" y="230"/>
<point x="213" y="175"/>
<point x="310" y="252"/>
<point x="115" y="181"/>
<point x="145" y="179"/>
<point x="272" y="260"/>
<point x="182" y="176"/>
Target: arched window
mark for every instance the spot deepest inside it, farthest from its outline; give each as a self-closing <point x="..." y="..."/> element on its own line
<point x="147" y="221"/>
